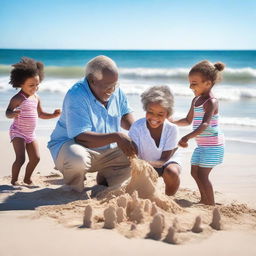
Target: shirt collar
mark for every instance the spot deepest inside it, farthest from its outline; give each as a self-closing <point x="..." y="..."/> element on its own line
<point x="88" y="89"/>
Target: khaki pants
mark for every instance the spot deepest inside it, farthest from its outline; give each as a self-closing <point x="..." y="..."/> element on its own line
<point x="74" y="161"/>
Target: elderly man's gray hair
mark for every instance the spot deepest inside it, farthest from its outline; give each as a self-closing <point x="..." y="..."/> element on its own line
<point x="98" y="65"/>
<point x="158" y="94"/>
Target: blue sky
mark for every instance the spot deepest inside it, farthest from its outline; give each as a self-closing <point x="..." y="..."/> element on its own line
<point x="124" y="24"/>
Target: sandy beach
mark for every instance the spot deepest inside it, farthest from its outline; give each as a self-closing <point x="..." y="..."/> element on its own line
<point x="48" y="220"/>
<point x="153" y="43"/>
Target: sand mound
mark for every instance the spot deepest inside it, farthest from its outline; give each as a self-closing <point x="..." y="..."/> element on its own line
<point x="137" y="209"/>
<point x="143" y="181"/>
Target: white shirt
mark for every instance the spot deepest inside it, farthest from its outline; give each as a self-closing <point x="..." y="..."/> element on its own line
<point x="147" y="149"/>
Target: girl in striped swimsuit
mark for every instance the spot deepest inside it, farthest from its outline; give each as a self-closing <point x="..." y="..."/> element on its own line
<point x="209" y="138"/>
<point x="25" y="108"/>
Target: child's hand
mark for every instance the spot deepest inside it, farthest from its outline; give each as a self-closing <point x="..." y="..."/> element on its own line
<point x="170" y="119"/>
<point x="56" y="112"/>
<point x="183" y="142"/>
<point x="15" y="113"/>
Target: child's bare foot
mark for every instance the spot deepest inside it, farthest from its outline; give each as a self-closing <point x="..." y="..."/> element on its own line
<point x="206" y="202"/>
<point x="28" y="182"/>
<point x="203" y="200"/>
<point x="15" y="183"/>
<point x="210" y="203"/>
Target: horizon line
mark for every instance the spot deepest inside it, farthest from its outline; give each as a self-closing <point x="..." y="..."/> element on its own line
<point x="66" y="49"/>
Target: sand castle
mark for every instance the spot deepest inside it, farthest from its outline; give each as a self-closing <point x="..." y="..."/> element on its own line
<point x="87" y="216"/>
<point x="176" y="225"/>
<point x="122" y="201"/>
<point x="171" y="236"/>
<point x="216" y="220"/>
<point x="110" y="217"/>
<point x="143" y="180"/>
<point x="120" y="214"/>
<point x="156" y="227"/>
<point x="197" y="225"/>
<point x="140" y="202"/>
<point x="154" y="209"/>
<point x="139" y="209"/>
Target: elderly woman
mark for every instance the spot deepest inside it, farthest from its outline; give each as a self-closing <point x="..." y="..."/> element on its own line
<point x="87" y="136"/>
<point x="156" y="139"/>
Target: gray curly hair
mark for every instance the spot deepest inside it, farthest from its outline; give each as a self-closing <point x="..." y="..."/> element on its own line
<point x="96" y="66"/>
<point x="158" y="94"/>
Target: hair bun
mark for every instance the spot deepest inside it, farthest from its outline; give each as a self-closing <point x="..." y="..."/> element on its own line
<point x="219" y="66"/>
<point x="39" y="65"/>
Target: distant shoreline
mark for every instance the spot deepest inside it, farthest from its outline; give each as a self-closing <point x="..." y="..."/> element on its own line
<point x="164" y="50"/>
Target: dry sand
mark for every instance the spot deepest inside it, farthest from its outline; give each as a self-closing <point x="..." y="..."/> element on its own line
<point x="47" y="219"/>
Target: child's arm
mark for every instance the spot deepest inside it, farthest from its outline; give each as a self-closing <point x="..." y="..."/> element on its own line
<point x="188" y="119"/>
<point x="166" y="155"/>
<point x="13" y="104"/>
<point x="45" y="115"/>
<point x="210" y="108"/>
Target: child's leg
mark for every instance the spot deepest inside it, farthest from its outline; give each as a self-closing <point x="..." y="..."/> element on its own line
<point x="171" y="178"/>
<point x="195" y="175"/>
<point x="19" y="149"/>
<point x="203" y="175"/>
<point x="34" y="158"/>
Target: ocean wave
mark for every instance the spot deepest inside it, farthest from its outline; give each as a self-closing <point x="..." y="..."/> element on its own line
<point x="227" y="120"/>
<point x="222" y="92"/>
<point x="153" y="73"/>
<point x="229" y="92"/>
<point x="52" y="71"/>
<point x="242" y="140"/>
<point x="235" y="75"/>
<point x="246" y="75"/>
<point x="238" y="121"/>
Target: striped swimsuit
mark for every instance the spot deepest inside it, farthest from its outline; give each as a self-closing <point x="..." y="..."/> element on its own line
<point x="25" y="123"/>
<point x="210" y="142"/>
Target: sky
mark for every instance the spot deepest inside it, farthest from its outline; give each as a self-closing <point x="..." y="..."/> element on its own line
<point x="128" y="24"/>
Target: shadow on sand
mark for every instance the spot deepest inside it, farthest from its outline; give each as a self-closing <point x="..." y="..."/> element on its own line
<point x="20" y="200"/>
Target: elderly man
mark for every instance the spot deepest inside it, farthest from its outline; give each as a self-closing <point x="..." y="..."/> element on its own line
<point x="87" y="136"/>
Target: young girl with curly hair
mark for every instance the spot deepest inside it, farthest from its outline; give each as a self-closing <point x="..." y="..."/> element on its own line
<point x="25" y="108"/>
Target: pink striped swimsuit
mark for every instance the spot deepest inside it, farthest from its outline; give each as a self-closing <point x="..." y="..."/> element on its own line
<point x="25" y="123"/>
<point x="211" y="136"/>
<point x="210" y="149"/>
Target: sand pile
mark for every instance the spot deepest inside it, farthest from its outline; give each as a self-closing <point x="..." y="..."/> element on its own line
<point x="142" y="189"/>
<point x="137" y="209"/>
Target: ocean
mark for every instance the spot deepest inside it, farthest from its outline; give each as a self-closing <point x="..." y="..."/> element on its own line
<point x="141" y="69"/>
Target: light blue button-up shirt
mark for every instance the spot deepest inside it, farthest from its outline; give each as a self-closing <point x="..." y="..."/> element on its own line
<point x="82" y="112"/>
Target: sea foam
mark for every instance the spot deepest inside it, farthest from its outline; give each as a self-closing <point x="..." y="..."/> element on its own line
<point x="234" y="75"/>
